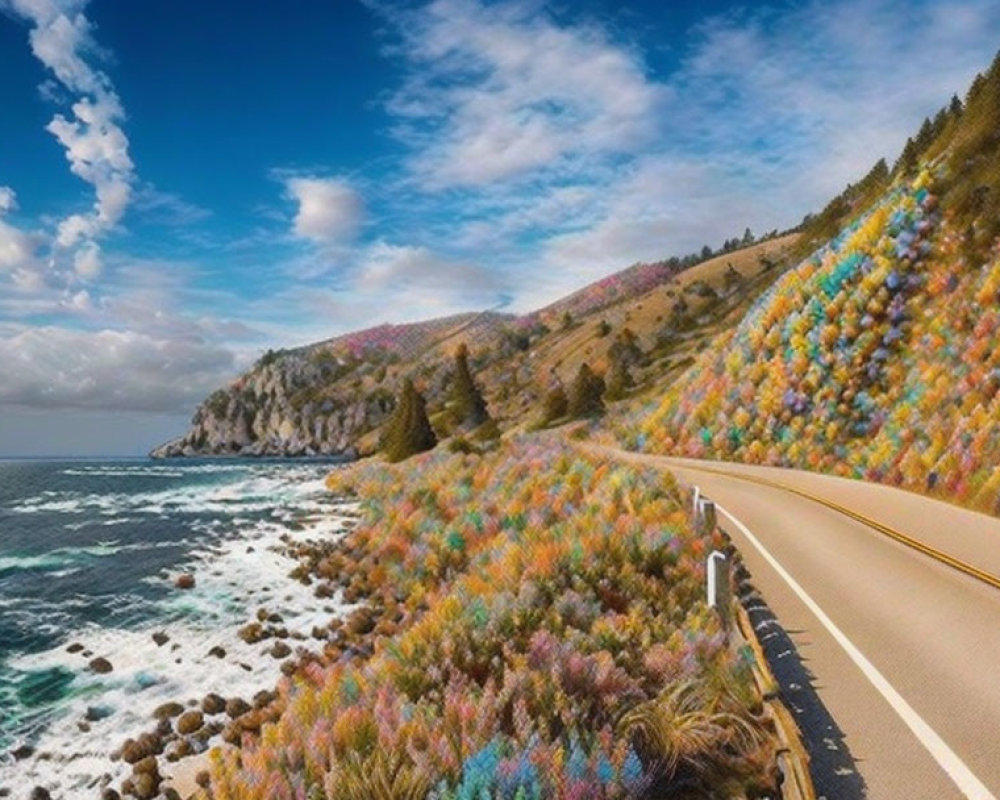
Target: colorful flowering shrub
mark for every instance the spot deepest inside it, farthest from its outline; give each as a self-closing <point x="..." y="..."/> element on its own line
<point x="876" y="358"/>
<point x="555" y="645"/>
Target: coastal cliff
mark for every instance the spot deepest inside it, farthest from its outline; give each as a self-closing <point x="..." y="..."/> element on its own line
<point x="332" y="397"/>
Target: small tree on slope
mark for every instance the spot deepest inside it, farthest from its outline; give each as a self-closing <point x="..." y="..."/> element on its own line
<point x="468" y="409"/>
<point x="585" y="394"/>
<point x="408" y="431"/>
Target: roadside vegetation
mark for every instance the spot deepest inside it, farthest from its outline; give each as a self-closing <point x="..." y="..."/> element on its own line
<point x="531" y="621"/>
<point x="553" y="643"/>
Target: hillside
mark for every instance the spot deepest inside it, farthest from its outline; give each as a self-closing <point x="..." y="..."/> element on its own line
<point x="878" y="356"/>
<point x="506" y="648"/>
<point x="334" y="396"/>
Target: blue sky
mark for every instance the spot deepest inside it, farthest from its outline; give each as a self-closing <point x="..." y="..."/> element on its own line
<point x="185" y="184"/>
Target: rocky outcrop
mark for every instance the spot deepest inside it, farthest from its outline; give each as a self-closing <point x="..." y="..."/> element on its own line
<point x="300" y="403"/>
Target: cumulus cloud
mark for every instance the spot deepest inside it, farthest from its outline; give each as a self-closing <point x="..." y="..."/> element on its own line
<point x="329" y="209"/>
<point x="95" y="144"/>
<point x="567" y="159"/>
<point x="387" y="266"/>
<point x="17" y="248"/>
<point x="499" y="90"/>
<point x="57" y="368"/>
<point x="87" y="260"/>
<point x="8" y="199"/>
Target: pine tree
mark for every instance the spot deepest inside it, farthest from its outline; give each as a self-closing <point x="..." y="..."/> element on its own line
<point x="924" y="136"/>
<point x="732" y="277"/>
<point x="555" y="405"/>
<point x="408" y="431"/>
<point x="907" y="159"/>
<point x="585" y="397"/>
<point x="619" y="382"/>
<point x="468" y="409"/>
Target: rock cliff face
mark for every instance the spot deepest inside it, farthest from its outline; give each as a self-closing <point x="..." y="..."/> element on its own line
<point x="290" y="405"/>
<point x="322" y="399"/>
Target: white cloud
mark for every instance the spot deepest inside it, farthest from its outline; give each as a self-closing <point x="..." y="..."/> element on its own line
<point x="329" y="209"/>
<point x="387" y="266"/>
<point x="166" y="208"/>
<point x="95" y="144"/>
<point x="8" y="200"/>
<point x="87" y="260"/>
<point x="57" y="368"/>
<point x="499" y="91"/>
<point x="17" y="248"/>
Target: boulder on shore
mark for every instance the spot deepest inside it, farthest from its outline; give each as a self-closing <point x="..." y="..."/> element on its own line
<point x="184" y="581"/>
<point x="100" y="665"/>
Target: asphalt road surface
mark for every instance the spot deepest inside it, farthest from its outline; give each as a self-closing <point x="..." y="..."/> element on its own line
<point x="893" y="657"/>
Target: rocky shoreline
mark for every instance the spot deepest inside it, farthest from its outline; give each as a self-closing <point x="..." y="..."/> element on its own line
<point x="183" y="729"/>
<point x="186" y="729"/>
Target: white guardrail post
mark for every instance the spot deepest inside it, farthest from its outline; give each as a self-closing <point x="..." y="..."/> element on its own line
<point x="719" y="589"/>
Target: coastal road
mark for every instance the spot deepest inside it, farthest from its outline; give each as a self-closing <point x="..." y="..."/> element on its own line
<point x="898" y="654"/>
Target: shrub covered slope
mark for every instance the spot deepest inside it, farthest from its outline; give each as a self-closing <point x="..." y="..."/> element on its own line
<point x="554" y="644"/>
<point x="877" y="357"/>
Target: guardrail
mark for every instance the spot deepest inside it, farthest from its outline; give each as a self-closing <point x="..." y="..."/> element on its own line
<point x="792" y="757"/>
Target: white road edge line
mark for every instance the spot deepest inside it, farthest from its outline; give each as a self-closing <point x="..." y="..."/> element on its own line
<point x="949" y="761"/>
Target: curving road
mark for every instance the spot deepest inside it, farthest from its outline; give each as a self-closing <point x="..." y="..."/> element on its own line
<point x="893" y="658"/>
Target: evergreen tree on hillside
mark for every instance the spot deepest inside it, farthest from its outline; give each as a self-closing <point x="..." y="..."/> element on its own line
<point x="408" y="431"/>
<point x="586" y="394"/>
<point x="907" y="159"/>
<point x="924" y="136"/>
<point x="468" y="409"/>
<point x="619" y="381"/>
<point x="555" y="405"/>
<point x="623" y="354"/>
<point x="732" y="277"/>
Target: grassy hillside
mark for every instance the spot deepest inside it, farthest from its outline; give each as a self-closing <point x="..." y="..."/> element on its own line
<point x="338" y="394"/>
<point x="878" y="356"/>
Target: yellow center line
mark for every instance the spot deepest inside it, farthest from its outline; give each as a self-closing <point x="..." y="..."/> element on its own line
<point x="909" y="541"/>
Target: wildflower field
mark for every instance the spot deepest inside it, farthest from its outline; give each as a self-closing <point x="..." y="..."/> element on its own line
<point x="550" y="640"/>
<point x="877" y="358"/>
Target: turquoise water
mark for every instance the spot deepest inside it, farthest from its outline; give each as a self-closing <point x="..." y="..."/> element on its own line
<point x="89" y="552"/>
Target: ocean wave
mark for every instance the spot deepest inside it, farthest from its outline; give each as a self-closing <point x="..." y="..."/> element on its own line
<point x="63" y="557"/>
<point x="127" y="472"/>
<point x="259" y="489"/>
<point x="234" y="577"/>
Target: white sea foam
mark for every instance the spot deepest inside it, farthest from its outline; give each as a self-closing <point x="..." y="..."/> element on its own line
<point x="239" y="564"/>
<point x="67" y="556"/>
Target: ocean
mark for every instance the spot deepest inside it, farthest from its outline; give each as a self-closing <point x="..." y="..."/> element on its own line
<point x="89" y="555"/>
